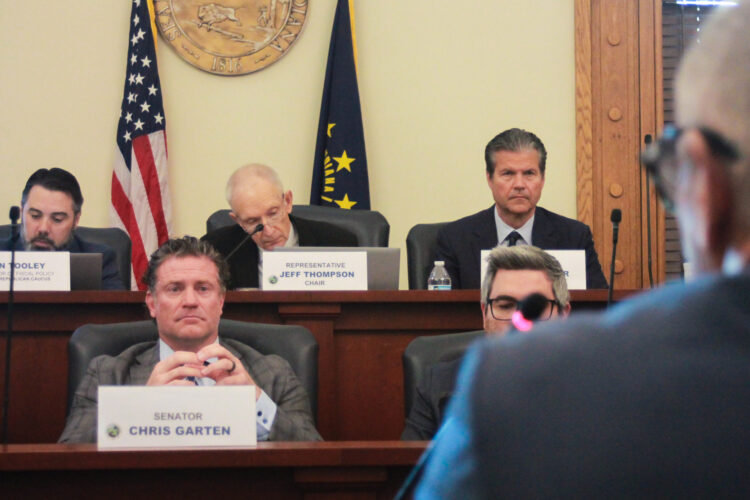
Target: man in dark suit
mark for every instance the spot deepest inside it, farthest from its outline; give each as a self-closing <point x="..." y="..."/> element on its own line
<point x="650" y="399"/>
<point x="50" y="210"/>
<point x="257" y="197"/>
<point x="513" y="273"/>
<point x="186" y="284"/>
<point x="515" y="166"/>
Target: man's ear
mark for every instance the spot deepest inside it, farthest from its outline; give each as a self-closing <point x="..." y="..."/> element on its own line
<point x="150" y="304"/>
<point x="288" y="199"/>
<point x="76" y="218"/>
<point x="711" y="193"/>
<point x="233" y="216"/>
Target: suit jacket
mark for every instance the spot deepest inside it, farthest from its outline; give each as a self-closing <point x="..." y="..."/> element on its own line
<point x="649" y="400"/>
<point x="293" y="421"/>
<point x="460" y="243"/>
<point x="431" y="400"/>
<point x="111" y="279"/>
<point x="243" y="265"/>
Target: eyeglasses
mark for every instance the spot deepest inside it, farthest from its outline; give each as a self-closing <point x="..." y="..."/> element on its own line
<point x="661" y="163"/>
<point x="275" y="216"/>
<point x="502" y="308"/>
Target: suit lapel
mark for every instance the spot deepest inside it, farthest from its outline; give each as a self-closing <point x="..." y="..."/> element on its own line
<point x="144" y="365"/>
<point x="485" y="231"/>
<point x="543" y="233"/>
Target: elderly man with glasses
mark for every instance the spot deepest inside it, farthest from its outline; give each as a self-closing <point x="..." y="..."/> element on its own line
<point x="652" y="398"/>
<point x="513" y="273"/>
<point x="262" y="210"/>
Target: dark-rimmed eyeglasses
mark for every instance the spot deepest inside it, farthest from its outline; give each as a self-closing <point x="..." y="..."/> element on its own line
<point x="502" y="308"/>
<point x="660" y="159"/>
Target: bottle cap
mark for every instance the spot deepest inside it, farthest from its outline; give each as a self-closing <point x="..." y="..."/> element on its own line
<point x="439" y="263"/>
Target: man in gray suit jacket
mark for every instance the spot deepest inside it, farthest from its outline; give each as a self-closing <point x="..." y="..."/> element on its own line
<point x="651" y="399"/>
<point x="186" y="285"/>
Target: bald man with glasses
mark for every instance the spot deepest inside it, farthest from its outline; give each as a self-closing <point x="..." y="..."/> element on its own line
<point x="262" y="211"/>
<point x="513" y="273"/>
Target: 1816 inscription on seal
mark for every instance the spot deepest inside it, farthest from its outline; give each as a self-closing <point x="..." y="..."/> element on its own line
<point x="231" y="37"/>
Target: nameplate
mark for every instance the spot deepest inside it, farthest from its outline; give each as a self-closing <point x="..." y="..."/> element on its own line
<point x="36" y="271"/>
<point x="573" y="263"/>
<point x="140" y="417"/>
<point x="311" y="270"/>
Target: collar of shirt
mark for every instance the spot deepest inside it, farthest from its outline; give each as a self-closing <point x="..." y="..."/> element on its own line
<point x="165" y="351"/>
<point x="503" y="230"/>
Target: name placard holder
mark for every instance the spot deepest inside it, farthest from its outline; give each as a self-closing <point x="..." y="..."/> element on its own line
<point x="36" y="271"/>
<point x="140" y="417"/>
<point x="573" y="263"/>
<point x="311" y="270"/>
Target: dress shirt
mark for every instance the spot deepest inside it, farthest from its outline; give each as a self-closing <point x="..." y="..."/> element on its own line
<point x="503" y="230"/>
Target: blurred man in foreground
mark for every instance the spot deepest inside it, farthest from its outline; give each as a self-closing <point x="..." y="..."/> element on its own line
<point x="650" y="399"/>
<point x="513" y="273"/>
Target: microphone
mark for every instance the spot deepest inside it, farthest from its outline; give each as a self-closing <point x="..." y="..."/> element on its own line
<point x="615" y="217"/>
<point x="529" y="310"/>
<point x="257" y="229"/>
<point x="647" y="140"/>
<point x="14" y="215"/>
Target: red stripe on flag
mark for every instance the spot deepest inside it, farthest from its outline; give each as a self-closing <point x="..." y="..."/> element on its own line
<point x="145" y="158"/>
<point x="124" y="210"/>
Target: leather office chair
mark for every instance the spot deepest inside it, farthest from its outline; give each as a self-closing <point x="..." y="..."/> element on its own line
<point x="423" y="352"/>
<point x="293" y="343"/>
<point x="369" y="226"/>
<point x="115" y="238"/>
<point x="420" y="253"/>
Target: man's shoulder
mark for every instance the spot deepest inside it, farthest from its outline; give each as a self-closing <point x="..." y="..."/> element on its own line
<point x="470" y="222"/>
<point x="547" y="217"/>
<point x="112" y="369"/>
<point x="225" y="236"/>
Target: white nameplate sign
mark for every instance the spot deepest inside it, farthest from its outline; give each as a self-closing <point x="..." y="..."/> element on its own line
<point x="138" y="417"/>
<point x="36" y="271"/>
<point x="573" y="263"/>
<point x="311" y="270"/>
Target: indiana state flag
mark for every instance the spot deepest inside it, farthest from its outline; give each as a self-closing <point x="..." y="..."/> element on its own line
<point x="340" y="167"/>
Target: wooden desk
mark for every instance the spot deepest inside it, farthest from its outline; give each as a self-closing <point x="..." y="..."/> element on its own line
<point x="272" y="470"/>
<point x="362" y="336"/>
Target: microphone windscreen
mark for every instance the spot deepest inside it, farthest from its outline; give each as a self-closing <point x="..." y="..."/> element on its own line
<point x="15" y="214"/>
<point x="532" y="306"/>
<point x="616" y="215"/>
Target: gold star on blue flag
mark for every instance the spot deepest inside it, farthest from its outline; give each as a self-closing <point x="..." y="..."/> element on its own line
<point x="340" y="165"/>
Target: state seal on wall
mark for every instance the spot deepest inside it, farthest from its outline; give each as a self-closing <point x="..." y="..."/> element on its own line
<point x="231" y="37"/>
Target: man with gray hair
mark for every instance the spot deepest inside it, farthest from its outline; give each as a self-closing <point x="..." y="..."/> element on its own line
<point x="257" y="198"/>
<point x="513" y="273"/>
<point x="652" y="398"/>
<point x="515" y="163"/>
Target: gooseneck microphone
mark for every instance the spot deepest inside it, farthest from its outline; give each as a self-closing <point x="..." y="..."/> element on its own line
<point x="15" y="214"/>
<point x="647" y="140"/>
<point x="529" y="310"/>
<point x="615" y="217"/>
<point x="257" y="229"/>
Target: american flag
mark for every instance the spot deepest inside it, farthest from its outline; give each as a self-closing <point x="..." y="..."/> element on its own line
<point x="140" y="195"/>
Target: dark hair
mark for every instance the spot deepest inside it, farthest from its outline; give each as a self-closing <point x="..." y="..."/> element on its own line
<point x="187" y="246"/>
<point x="55" y="179"/>
<point x="515" y="140"/>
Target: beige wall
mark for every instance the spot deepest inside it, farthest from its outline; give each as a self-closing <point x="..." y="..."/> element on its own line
<point x="437" y="81"/>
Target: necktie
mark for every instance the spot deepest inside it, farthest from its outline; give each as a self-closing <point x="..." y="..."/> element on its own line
<point x="193" y="379"/>
<point x="513" y="238"/>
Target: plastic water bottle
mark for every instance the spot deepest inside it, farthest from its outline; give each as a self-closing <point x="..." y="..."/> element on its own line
<point x="439" y="278"/>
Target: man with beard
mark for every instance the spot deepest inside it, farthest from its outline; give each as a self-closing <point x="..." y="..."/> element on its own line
<point x="51" y="207"/>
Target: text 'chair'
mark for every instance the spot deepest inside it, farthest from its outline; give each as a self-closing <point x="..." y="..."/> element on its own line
<point x="114" y="237"/>
<point x="293" y="343"/>
<point x="369" y="226"/>
<point x="423" y="352"/>
<point x="420" y="253"/>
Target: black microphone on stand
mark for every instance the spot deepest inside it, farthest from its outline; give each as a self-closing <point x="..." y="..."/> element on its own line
<point x="648" y="141"/>
<point x="15" y="214"/>
<point x="529" y="310"/>
<point x="615" y="217"/>
<point x="257" y="229"/>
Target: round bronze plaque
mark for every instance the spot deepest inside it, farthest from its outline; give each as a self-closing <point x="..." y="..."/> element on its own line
<point x="231" y="37"/>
